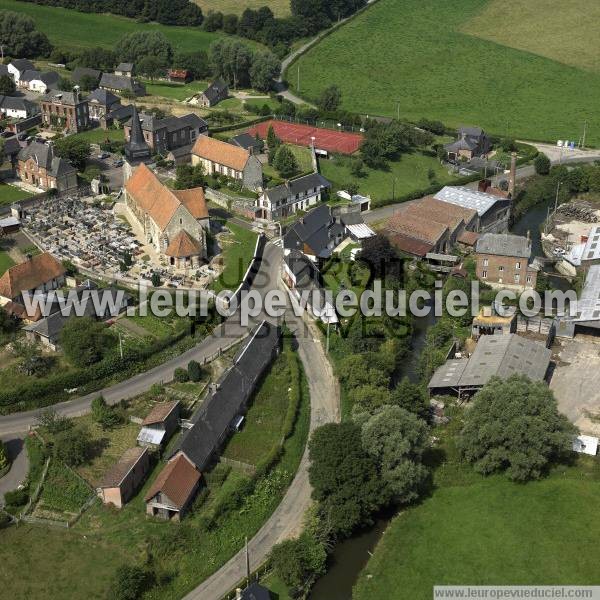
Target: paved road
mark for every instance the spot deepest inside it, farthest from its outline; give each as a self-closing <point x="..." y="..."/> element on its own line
<point x="222" y="337"/>
<point x="578" y="156"/>
<point x="20" y="464"/>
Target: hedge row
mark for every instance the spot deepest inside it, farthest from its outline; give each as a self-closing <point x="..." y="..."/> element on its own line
<point x="49" y="390"/>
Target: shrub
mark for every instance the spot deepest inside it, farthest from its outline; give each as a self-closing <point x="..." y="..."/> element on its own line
<point x="194" y="371"/>
<point x="72" y="446"/>
<point x="181" y="375"/>
<point x="16" y="498"/>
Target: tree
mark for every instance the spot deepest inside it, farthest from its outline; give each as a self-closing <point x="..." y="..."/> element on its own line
<point x="7" y="85"/>
<point x="231" y="61"/>
<point x="180" y="375"/>
<point x="151" y="67"/>
<point x="103" y="59"/>
<point x="594" y="180"/>
<point x="64" y="84"/>
<point x="285" y="162"/>
<point x="155" y="279"/>
<point x="381" y="258"/>
<point x="54" y="423"/>
<point x="230" y="23"/>
<point x="138" y="44"/>
<point x="299" y="562"/>
<point x="344" y="477"/>
<point x="213" y="21"/>
<point x="411" y="397"/>
<point x="72" y="446"/>
<point x="84" y="340"/>
<point x="273" y="143"/>
<point x="357" y="167"/>
<point x="514" y="426"/>
<point x="8" y="324"/>
<point x="265" y="68"/>
<point x="188" y="176"/>
<point x="330" y="99"/>
<point x="541" y="164"/>
<point x="397" y="439"/>
<point x="74" y="149"/>
<point x="194" y="371"/>
<point x="88" y="83"/>
<point x="19" y="36"/>
<point x="129" y="582"/>
<point x="104" y="414"/>
<point x="196" y="62"/>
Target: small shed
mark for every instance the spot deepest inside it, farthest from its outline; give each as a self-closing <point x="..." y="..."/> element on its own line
<point x="120" y="483"/>
<point x="159" y="424"/>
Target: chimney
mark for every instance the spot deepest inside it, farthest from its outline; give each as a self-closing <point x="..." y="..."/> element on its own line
<point x="512" y="179"/>
<point x="238" y="593"/>
<point x="76" y="94"/>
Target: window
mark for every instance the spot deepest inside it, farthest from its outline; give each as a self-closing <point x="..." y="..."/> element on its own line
<point x="485" y="262"/>
<point x="500" y="268"/>
<point x="518" y="264"/>
<point x="484" y="274"/>
<point x="517" y="278"/>
<point x="528" y="279"/>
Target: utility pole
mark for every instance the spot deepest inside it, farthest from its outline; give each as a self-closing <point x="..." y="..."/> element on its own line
<point x="585" y="123"/>
<point x="298" y="86"/>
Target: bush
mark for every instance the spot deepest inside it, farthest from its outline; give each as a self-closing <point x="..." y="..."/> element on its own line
<point x="72" y="446"/>
<point x="16" y="498"/>
<point x="181" y="375"/>
<point x="194" y="371"/>
<point x="129" y="583"/>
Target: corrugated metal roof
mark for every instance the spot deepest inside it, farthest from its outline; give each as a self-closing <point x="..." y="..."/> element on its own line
<point x="467" y="198"/>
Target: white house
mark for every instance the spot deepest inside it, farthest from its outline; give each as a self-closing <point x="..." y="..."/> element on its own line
<point x="18" y="66"/>
<point x="17" y="107"/>
<point x="35" y="81"/>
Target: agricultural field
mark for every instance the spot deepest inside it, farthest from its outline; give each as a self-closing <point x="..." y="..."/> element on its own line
<point x="72" y="29"/>
<point x="410" y="173"/>
<point x="447" y="539"/>
<point x="280" y="8"/>
<point x="416" y="55"/>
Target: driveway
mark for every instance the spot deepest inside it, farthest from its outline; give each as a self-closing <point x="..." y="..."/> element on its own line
<point x="15" y="447"/>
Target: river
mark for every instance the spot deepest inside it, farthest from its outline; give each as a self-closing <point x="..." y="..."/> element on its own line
<point x="351" y="556"/>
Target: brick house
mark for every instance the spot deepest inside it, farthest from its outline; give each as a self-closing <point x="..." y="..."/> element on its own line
<point x="171" y="494"/>
<point x="213" y="94"/>
<point x="120" y="483"/>
<point x="37" y="275"/>
<point x="66" y="110"/>
<point x="174" y="221"/>
<point x="503" y="261"/>
<point x="471" y="142"/>
<point x="37" y="165"/>
<point x="163" y="135"/>
<point x="221" y="158"/>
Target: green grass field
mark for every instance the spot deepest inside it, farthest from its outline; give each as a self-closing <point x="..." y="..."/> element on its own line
<point x="280" y="8"/>
<point x="303" y="159"/>
<point x="5" y="262"/>
<point x="10" y="194"/>
<point x="99" y="135"/>
<point x="238" y="250"/>
<point x="415" y="54"/>
<point x="72" y="29"/>
<point x="408" y="174"/>
<point x="175" y="91"/>
<point x="489" y="531"/>
<point x="568" y="34"/>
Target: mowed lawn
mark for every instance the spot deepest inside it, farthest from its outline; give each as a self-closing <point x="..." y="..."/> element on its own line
<point x="407" y="175"/>
<point x="280" y="8"/>
<point x="481" y="531"/>
<point x="5" y="262"/>
<point x="414" y="52"/>
<point x="10" y="194"/>
<point x="73" y="29"/>
<point x="563" y="31"/>
<point x="238" y="251"/>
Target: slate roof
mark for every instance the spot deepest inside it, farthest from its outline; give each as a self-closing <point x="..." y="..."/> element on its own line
<point x="119" y="82"/>
<point x="177" y="481"/>
<point x="50" y="78"/>
<point x="18" y="103"/>
<point x="121" y="113"/>
<point x="104" y="97"/>
<point x="495" y="355"/>
<point x="221" y="152"/>
<point x="216" y="91"/>
<point x="246" y="141"/>
<point x="44" y="156"/>
<point x="124" y="66"/>
<point x="114" y="477"/>
<point x="504" y="244"/>
<point x="160" y="412"/>
<point x="12" y="146"/>
<point x="297" y="186"/>
<point x="181" y="151"/>
<point x="256" y="592"/>
<point x="151" y="123"/>
<point x="214" y="417"/>
<point x="313" y="230"/>
<point x="30" y="274"/>
<point x="22" y="64"/>
<point x="66" y="98"/>
<point x="80" y="72"/>
<point x="160" y="202"/>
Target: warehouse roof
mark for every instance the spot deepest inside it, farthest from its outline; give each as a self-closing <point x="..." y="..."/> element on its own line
<point x="468" y="198"/>
<point x="504" y="244"/>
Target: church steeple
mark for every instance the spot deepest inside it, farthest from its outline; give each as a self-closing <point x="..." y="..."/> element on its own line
<point x="136" y="149"/>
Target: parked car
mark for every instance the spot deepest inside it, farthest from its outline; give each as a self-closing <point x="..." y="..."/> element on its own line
<point x="103" y="155"/>
<point x="118" y="163"/>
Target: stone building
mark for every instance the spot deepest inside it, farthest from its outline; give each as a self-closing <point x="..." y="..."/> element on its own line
<point x="175" y="222"/>
<point x="37" y="165"/>
<point x="66" y="110"/>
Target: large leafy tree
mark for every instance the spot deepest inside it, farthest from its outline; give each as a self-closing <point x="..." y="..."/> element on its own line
<point x="138" y="44"/>
<point x="330" y="99"/>
<point x="397" y="439"/>
<point x="196" y="62"/>
<point x="344" y="477"/>
<point x="7" y="85"/>
<point x="514" y="426"/>
<point x="74" y="149"/>
<point x="19" y="36"/>
<point x="265" y="67"/>
<point x="84" y="340"/>
<point x="381" y="258"/>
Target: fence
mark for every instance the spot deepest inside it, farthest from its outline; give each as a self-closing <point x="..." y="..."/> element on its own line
<point x="249" y="469"/>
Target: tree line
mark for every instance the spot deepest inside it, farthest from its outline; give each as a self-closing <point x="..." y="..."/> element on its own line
<point x="167" y="12"/>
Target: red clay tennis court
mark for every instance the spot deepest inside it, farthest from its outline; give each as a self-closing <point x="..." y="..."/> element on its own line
<point x="325" y="139"/>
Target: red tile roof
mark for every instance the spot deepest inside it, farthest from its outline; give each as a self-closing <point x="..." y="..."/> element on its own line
<point x="30" y="275"/>
<point x="409" y="245"/>
<point x="468" y="238"/>
<point x="183" y="245"/>
<point x="221" y="153"/>
<point x="160" y="412"/>
<point x="409" y="222"/>
<point x="160" y="202"/>
<point x="177" y="481"/>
